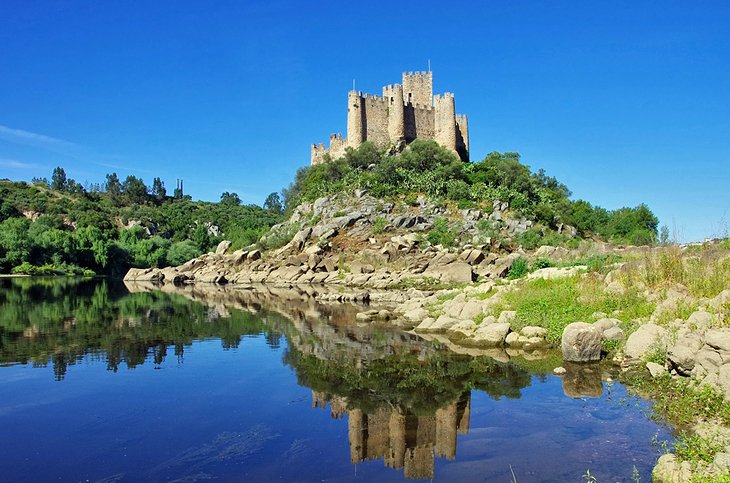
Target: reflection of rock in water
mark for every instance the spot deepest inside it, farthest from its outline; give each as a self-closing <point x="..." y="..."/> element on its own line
<point x="226" y="446"/>
<point x="582" y="380"/>
<point x="400" y="439"/>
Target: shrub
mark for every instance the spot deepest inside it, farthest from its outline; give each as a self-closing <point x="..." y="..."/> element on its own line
<point x="518" y="269"/>
<point x="181" y="252"/>
<point x="379" y="224"/>
<point x="442" y="233"/>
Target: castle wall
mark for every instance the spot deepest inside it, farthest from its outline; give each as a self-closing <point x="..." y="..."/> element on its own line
<point x="419" y="122"/>
<point x="418" y="88"/>
<point x="462" y="136"/>
<point x="376" y="120"/>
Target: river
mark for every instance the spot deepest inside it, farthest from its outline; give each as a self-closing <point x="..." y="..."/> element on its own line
<point x="105" y="382"/>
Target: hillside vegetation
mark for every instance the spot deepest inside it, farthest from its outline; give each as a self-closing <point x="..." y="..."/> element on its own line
<point x="63" y="227"/>
<point x="60" y="227"/>
<point x="427" y="168"/>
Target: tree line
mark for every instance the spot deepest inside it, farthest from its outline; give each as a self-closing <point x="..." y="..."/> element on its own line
<point x="60" y="226"/>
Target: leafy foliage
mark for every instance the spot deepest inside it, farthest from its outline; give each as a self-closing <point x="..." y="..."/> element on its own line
<point x="125" y="224"/>
<point x="425" y="167"/>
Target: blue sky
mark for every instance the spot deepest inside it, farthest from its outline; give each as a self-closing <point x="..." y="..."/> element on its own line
<point x="624" y="101"/>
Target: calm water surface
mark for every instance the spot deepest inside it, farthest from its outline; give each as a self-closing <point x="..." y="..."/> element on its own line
<point x="106" y="382"/>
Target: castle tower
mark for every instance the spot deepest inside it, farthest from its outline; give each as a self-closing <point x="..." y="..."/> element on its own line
<point x="445" y="121"/>
<point x="418" y="88"/>
<point x="355" y="116"/>
<point x="393" y="95"/>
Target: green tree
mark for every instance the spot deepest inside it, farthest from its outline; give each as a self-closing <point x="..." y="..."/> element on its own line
<point x="58" y="179"/>
<point x="181" y="252"/>
<point x="158" y="189"/>
<point x="15" y="244"/>
<point x="230" y="198"/>
<point x="135" y="191"/>
<point x="113" y="186"/>
<point x="273" y="203"/>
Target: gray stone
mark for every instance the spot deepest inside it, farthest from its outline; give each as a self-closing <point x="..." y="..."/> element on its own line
<point x="223" y="247"/>
<point x="453" y="272"/>
<point x="614" y="333"/>
<point x="416" y="315"/>
<point x="551" y="273"/>
<point x="507" y="316"/>
<point x="532" y="331"/>
<point x="655" y="369"/>
<point x="647" y="337"/>
<point x="605" y="323"/>
<point x="581" y="342"/>
<point x="723" y="380"/>
<point x="669" y="470"/>
<point x="513" y="338"/>
<point x="461" y="330"/>
<point x="300" y="239"/>
<point x="719" y="339"/>
<point x="683" y="353"/>
<point x="471" y="309"/>
<point x="491" y="335"/>
<point x="700" y="320"/>
<point x="615" y="287"/>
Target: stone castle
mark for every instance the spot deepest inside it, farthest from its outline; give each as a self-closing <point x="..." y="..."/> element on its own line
<point x="404" y="112"/>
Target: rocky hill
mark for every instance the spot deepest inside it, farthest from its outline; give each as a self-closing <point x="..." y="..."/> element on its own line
<point x="358" y="240"/>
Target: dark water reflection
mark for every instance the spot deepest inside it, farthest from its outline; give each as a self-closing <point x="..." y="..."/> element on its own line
<point x="194" y="384"/>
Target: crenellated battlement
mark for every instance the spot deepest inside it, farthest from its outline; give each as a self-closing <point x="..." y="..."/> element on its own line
<point x="404" y="112"/>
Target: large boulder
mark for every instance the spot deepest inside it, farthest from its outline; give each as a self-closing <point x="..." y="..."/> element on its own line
<point x="453" y="272"/>
<point x="683" y="353"/>
<point x="490" y="334"/>
<point x="223" y="247"/>
<point x="581" y="342"/>
<point x="718" y="339"/>
<point x="551" y="273"/>
<point x="647" y="338"/>
<point x="145" y="275"/>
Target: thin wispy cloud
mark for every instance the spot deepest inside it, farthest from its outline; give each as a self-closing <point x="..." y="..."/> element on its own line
<point x="27" y="138"/>
<point x="15" y="164"/>
<point x="64" y="147"/>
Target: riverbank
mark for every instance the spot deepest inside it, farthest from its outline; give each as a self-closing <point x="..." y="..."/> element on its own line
<point x="457" y="274"/>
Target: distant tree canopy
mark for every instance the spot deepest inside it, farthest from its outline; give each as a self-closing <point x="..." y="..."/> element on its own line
<point x="230" y="198"/>
<point x="116" y="225"/>
<point x="426" y="167"/>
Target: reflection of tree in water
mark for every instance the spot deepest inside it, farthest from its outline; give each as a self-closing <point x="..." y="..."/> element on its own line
<point x="63" y="320"/>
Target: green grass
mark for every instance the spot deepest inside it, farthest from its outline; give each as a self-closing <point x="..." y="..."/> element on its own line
<point x="379" y="224"/>
<point x="553" y="304"/>
<point x="695" y="448"/>
<point x="682" y="402"/>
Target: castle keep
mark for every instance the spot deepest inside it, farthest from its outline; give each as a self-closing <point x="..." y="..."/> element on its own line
<point x="404" y="112"/>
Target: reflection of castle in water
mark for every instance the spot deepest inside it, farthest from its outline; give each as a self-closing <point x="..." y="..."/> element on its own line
<point x="402" y="439"/>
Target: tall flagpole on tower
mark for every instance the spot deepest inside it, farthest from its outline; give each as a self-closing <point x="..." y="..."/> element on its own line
<point x="353" y="84"/>
<point x="429" y="65"/>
